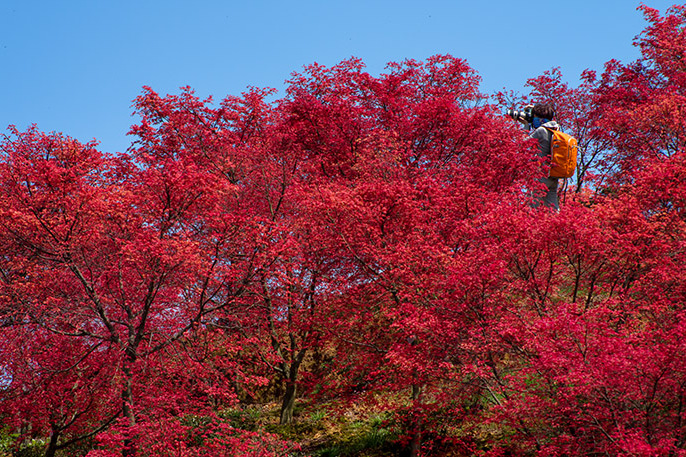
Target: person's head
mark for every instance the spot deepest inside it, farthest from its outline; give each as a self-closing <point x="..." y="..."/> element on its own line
<point x="544" y="111"/>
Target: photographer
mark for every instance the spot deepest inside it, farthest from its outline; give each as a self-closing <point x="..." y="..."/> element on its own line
<point x="541" y="117"/>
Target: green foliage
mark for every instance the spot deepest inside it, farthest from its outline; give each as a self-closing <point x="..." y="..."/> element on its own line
<point x="320" y="431"/>
<point x="7" y="440"/>
<point x="362" y="437"/>
<point x="245" y="418"/>
<point x="10" y="445"/>
<point x="33" y="448"/>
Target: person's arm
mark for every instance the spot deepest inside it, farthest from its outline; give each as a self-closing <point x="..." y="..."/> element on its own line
<point x="526" y="124"/>
<point x="543" y="136"/>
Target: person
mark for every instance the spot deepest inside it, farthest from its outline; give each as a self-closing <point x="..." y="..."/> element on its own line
<point x="542" y="119"/>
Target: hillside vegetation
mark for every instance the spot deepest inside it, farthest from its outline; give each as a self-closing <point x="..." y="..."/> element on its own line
<point x="359" y="268"/>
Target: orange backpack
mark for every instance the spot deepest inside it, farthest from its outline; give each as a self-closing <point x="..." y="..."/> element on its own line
<point x="562" y="154"/>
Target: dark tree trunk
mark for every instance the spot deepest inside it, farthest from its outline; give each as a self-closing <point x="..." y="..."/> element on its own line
<point x="416" y="443"/>
<point x="127" y="410"/>
<point x="291" y="388"/>
<point x="288" y="402"/>
<point x="52" y="445"/>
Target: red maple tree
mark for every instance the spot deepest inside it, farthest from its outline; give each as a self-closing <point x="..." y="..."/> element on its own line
<point x="367" y="238"/>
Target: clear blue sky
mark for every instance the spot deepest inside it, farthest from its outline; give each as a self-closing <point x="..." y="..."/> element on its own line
<point x="75" y="66"/>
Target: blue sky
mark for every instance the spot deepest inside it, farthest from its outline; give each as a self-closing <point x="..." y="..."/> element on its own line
<point x="75" y="66"/>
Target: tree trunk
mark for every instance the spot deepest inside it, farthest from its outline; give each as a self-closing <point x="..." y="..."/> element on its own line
<point x="416" y="443"/>
<point x="291" y="388"/>
<point x="52" y="445"/>
<point x="127" y="410"/>
<point x="288" y="402"/>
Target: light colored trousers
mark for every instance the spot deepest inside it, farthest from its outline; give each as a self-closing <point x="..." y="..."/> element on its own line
<point x="548" y="199"/>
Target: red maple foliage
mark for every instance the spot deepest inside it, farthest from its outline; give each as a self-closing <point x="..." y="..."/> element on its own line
<point x="364" y="239"/>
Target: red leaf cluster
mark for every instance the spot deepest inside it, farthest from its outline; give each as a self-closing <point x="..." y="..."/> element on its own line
<point x="362" y="239"/>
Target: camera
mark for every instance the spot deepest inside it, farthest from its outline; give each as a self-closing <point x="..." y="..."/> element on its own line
<point x="525" y="115"/>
